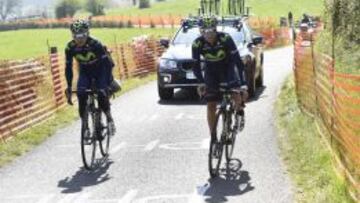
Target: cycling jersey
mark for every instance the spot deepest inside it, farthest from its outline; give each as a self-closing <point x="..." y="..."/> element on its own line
<point x="94" y="64"/>
<point x="220" y="60"/>
<point x="90" y="57"/>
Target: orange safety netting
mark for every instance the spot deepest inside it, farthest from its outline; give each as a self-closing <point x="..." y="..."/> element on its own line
<point x="334" y="97"/>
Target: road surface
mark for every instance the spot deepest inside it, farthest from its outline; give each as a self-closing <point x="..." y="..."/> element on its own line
<point x="159" y="154"/>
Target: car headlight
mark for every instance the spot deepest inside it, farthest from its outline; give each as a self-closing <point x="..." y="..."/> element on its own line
<point x="167" y="64"/>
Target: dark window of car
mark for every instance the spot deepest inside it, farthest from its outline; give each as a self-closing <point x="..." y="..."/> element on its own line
<point x="191" y="34"/>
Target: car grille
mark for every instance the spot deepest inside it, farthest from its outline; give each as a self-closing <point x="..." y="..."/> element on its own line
<point x="187" y="65"/>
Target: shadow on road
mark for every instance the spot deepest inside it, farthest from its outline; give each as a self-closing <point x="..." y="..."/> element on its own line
<point x="183" y="97"/>
<point x="258" y="95"/>
<point x="84" y="178"/>
<point x="190" y="97"/>
<point x="231" y="182"/>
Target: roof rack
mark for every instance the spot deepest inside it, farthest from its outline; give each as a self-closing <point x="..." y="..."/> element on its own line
<point x="235" y="21"/>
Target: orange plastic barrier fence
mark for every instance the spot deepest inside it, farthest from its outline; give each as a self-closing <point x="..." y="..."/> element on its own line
<point x="31" y="90"/>
<point x="334" y="98"/>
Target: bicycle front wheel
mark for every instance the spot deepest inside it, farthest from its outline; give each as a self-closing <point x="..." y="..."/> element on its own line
<point x="88" y="140"/>
<point x="216" y="145"/>
<point x="230" y="144"/>
<point x="105" y="132"/>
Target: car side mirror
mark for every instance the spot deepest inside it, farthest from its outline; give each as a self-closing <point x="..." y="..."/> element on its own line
<point x="165" y="43"/>
<point x="257" y="40"/>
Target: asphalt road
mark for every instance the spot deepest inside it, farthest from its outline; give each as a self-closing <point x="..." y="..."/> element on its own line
<point x="159" y="154"/>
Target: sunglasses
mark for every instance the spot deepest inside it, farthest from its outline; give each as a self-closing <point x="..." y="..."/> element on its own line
<point x="80" y="36"/>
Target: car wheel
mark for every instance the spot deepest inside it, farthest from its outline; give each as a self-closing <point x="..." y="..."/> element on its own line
<point x="165" y="93"/>
<point x="260" y="79"/>
<point x="251" y="80"/>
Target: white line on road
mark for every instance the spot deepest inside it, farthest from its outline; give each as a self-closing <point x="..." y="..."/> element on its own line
<point x="68" y="198"/>
<point x="198" y="195"/>
<point x="46" y="198"/>
<point x="82" y="198"/>
<point x="128" y="197"/>
<point x="118" y="147"/>
<point x="179" y="116"/>
<point x="151" y="145"/>
<point x="154" y="117"/>
<point x="205" y="143"/>
<point x="142" y="118"/>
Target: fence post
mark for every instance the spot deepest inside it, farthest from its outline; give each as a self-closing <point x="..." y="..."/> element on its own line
<point x="332" y="78"/>
<point x="55" y="72"/>
<point x="126" y="73"/>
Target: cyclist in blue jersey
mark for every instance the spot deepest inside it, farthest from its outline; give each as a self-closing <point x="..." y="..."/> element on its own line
<point x="94" y="64"/>
<point x="220" y="56"/>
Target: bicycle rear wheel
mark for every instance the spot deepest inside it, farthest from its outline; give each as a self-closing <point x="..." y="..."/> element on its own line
<point x="216" y="145"/>
<point x="104" y="134"/>
<point x="88" y="140"/>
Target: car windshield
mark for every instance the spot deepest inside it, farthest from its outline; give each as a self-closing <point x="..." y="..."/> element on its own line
<point x="191" y="34"/>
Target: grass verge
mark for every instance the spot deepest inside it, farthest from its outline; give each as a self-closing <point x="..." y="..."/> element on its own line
<point x="305" y="154"/>
<point x="27" y="140"/>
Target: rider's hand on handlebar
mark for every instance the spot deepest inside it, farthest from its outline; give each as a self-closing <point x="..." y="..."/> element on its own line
<point x="201" y="90"/>
<point x="244" y="92"/>
<point x="68" y="95"/>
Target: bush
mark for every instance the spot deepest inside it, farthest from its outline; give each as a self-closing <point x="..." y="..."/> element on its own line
<point x="144" y="4"/>
<point x="96" y="7"/>
<point x="343" y="20"/>
<point x="344" y="16"/>
<point x="66" y="8"/>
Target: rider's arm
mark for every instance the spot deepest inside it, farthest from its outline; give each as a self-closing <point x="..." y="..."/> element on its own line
<point x="101" y="54"/>
<point x="196" y="47"/>
<point x="235" y="58"/>
<point x="68" y="66"/>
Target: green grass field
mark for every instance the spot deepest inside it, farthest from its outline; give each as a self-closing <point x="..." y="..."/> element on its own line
<point x="273" y="8"/>
<point x="32" y="43"/>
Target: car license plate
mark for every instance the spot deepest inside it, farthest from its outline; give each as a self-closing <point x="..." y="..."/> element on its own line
<point x="190" y="75"/>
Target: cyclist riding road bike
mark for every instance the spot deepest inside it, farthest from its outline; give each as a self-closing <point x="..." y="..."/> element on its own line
<point x="94" y="64"/>
<point x="220" y="56"/>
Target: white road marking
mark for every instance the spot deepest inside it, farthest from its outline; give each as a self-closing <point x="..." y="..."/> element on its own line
<point x="142" y="118"/>
<point x="179" y="116"/>
<point x="205" y="143"/>
<point x="183" y="146"/>
<point x="161" y="198"/>
<point x="46" y="198"/>
<point x="128" y="118"/>
<point x="68" y="198"/>
<point x="118" y="147"/>
<point x="128" y="197"/>
<point x="198" y="195"/>
<point x="196" y="117"/>
<point x="154" y="117"/>
<point x="151" y="145"/>
<point x="82" y="198"/>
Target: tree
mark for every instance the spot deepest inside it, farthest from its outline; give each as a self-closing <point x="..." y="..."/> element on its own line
<point x="67" y="8"/>
<point x="7" y="7"/>
<point x="144" y="4"/>
<point x="96" y="7"/>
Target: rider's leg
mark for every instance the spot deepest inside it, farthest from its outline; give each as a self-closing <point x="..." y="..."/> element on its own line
<point x="104" y="103"/>
<point x="101" y="75"/>
<point x="82" y="84"/>
<point x="212" y="96"/>
<point x="211" y="116"/>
